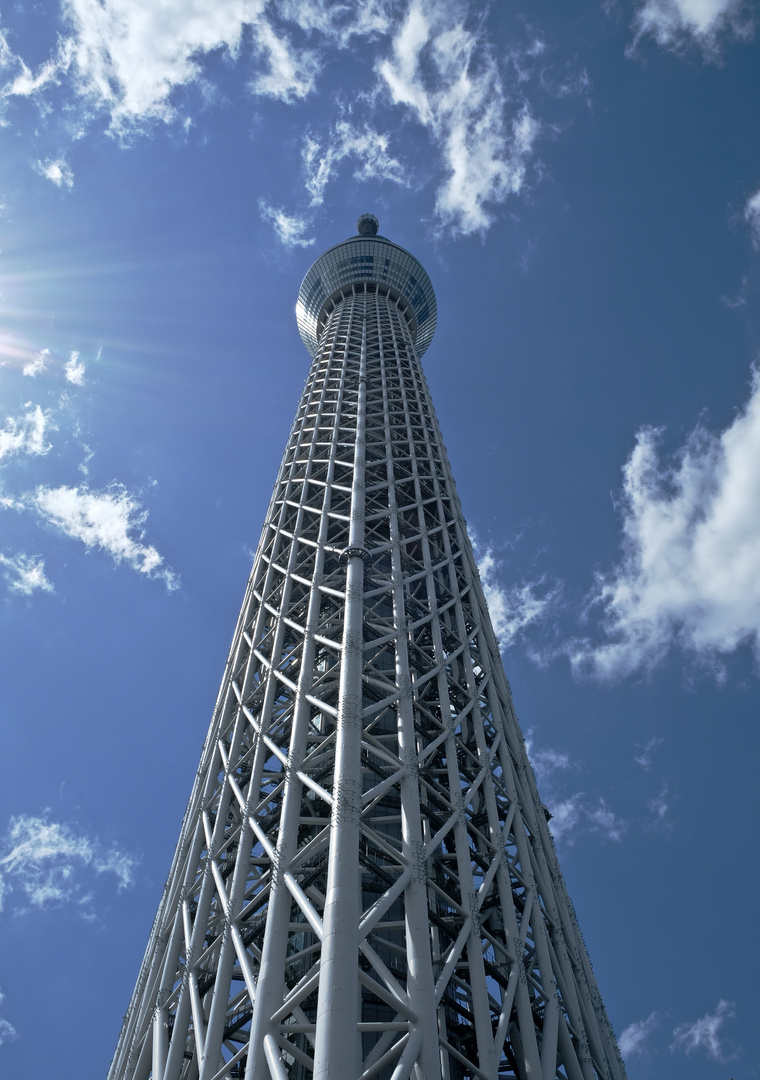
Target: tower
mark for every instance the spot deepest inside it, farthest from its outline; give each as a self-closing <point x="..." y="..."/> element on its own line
<point x="365" y="885"/>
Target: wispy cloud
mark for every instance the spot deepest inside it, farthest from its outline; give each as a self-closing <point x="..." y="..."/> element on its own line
<point x="706" y="1034"/>
<point x="752" y="217"/>
<point x="34" y="367"/>
<point x="566" y="816"/>
<point x="74" y="369"/>
<point x="676" y="23"/>
<point x="646" y="758"/>
<point x="690" y="571"/>
<point x="22" y="81"/>
<point x="7" y="1030"/>
<point x="659" y="808"/>
<point x="367" y="148"/>
<point x="57" y="171"/>
<point x="128" y="58"/>
<point x="111" y="520"/>
<point x="547" y="762"/>
<point x="605" y="821"/>
<point x="289" y="228"/>
<point x="575" y="814"/>
<point x="84" y="465"/>
<point x="49" y="863"/>
<point x="512" y="607"/>
<point x="26" y="434"/>
<point x="25" y="574"/>
<point x="431" y="60"/>
<point x="290" y="73"/>
<point x="634" y="1039"/>
<point x="443" y="71"/>
<point x="131" y="55"/>
<point x="339" y="22"/>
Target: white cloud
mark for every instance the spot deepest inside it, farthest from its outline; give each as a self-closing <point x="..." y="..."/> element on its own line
<point x="57" y="171"/>
<point x="705" y="1034"/>
<point x="434" y="61"/>
<point x="337" y="20"/>
<point x="690" y="571"/>
<point x="130" y="55"/>
<point x="566" y="817"/>
<point x="89" y="454"/>
<point x="25" y="435"/>
<point x="574" y="814"/>
<point x="447" y="76"/>
<point x="33" y="368"/>
<point x="545" y="761"/>
<point x="646" y="757"/>
<point x="291" y="74"/>
<point x="752" y="217"/>
<point x="25" y="83"/>
<point x="7" y="56"/>
<point x="7" y="1031"/>
<point x="49" y="862"/>
<point x="634" y="1038"/>
<point x="674" y="23"/>
<point x="659" y="808"/>
<point x="25" y="574"/>
<point x="117" y="862"/>
<point x="514" y="607"/>
<point x="289" y="228"/>
<point x="111" y="520"/>
<point x="366" y="147"/>
<point x="605" y="821"/>
<point x="74" y="369"/>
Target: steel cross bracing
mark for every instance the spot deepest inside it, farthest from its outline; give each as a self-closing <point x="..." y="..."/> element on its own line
<point x="365" y="885"/>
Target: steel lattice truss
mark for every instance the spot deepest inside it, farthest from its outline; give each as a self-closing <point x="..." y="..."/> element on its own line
<point x="365" y="885"/>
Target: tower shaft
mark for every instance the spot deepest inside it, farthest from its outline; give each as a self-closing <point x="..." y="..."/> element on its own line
<point x="365" y="885"/>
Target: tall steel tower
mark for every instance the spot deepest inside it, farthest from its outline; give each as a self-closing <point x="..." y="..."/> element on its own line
<point x="365" y="885"/>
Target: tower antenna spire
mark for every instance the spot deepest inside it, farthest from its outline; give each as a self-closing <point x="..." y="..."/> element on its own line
<point x="367" y="225"/>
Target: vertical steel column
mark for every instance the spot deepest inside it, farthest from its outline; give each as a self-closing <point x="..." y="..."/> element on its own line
<point x="420" y="983"/>
<point x="269" y="993"/>
<point x="336" y="1052"/>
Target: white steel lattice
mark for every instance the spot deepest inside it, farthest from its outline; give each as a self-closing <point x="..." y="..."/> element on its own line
<point x="365" y="885"/>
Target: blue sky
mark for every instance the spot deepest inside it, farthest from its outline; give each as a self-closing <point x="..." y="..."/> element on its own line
<point x="582" y="182"/>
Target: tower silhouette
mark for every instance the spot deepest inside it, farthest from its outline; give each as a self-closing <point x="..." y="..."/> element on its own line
<point x="365" y="885"/>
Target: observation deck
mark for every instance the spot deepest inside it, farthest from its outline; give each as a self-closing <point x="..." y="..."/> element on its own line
<point x="369" y="258"/>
